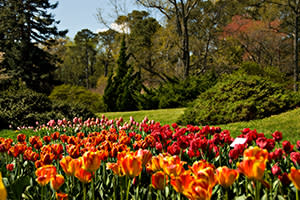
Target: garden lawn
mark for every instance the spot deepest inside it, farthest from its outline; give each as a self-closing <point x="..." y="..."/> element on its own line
<point x="164" y="116"/>
<point x="288" y="123"/>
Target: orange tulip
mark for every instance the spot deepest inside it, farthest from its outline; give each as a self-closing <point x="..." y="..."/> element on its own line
<point x="252" y="168"/>
<point x="57" y="181"/>
<point x="226" y="176"/>
<point x="83" y="175"/>
<point x="61" y="196"/>
<point x="172" y="165"/>
<point x="91" y="161"/>
<point x="68" y="165"/>
<point x="256" y="152"/>
<point x="115" y="167"/>
<point x="294" y="176"/>
<point x="131" y="165"/>
<point x="159" y="180"/>
<point x="153" y="165"/>
<point x="200" y="190"/>
<point x="45" y="173"/>
<point x="145" y="155"/>
<point x="3" y="193"/>
<point x="204" y="170"/>
<point x="182" y="182"/>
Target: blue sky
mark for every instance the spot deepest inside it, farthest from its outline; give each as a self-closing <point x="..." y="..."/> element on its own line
<point x="76" y="15"/>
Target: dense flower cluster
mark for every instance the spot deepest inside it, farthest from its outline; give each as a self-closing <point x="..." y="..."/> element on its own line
<point x="123" y="159"/>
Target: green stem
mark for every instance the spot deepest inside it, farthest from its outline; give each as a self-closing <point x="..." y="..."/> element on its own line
<point x="297" y="195"/>
<point x="93" y="189"/>
<point x="114" y="184"/>
<point x="84" y="191"/>
<point x="226" y="193"/>
<point x="128" y="187"/>
<point x="137" y="188"/>
<point x="246" y="186"/>
<point x="121" y="187"/>
<point x="178" y="196"/>
<point x="149" y="193"/>
<point x="257" y="190"/>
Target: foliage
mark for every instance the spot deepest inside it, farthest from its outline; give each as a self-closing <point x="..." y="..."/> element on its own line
<point x="20" y="106"/>
<point x="121" y="90"/>
<point x="239" y="97"/>
<point x="78" y="95"/>
<point x="23" y="107"/>
<point x="25" y="27"/>
<point x="177" y="93"/>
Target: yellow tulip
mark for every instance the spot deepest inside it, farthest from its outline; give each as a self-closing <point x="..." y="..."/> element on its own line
<point x="3" y="193"/>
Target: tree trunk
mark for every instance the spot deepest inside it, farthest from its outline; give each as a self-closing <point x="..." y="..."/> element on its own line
<point x="296" y="70"/>
<point x="186" y="50"/>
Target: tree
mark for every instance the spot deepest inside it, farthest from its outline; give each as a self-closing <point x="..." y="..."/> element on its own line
<point x="79" y="66"/>
<point x="25" y="25"/>
<point x="261" y="44"/>
<point x="121" y="90"/>
<point x="181" y="11"/>
<point x="86" y="42"/>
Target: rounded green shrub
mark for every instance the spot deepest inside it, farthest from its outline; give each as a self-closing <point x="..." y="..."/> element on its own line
<point x="239" y="97"/>
<point x="23" y="107"/>
<point x="77" y="95"/>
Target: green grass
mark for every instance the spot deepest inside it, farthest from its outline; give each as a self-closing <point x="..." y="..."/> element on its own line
<point x="288" y="123"/>
<point x="164" y="116"/>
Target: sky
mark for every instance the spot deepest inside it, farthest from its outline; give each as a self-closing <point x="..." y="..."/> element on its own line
<point x="76" y="15"/>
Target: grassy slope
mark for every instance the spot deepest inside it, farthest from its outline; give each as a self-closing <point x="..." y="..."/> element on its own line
<point x="164" y="116"/>
<point x="288" y="123"/>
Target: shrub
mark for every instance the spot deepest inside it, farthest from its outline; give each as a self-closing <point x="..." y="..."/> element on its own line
<point x="176" y="94"/>
<point x="77" y="96"/>
<point x="239" y="97"/>
<point x="23" y="107"/>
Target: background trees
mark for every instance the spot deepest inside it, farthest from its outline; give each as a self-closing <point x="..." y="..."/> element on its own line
<point x="26" y="24"/>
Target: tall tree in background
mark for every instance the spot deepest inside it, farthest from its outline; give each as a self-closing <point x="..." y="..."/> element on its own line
<point x="26" y="24"/>
<point x="181" y="11"/>
<point x="121" y="90"/>
<point x="86" y="42"/>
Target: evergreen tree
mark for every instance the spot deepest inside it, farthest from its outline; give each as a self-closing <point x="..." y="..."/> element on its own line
<point x="121" y="90"/>
<point x="26" y="26"/>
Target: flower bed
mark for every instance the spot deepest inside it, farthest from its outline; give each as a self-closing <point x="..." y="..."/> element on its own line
<point x="112" y="159"/>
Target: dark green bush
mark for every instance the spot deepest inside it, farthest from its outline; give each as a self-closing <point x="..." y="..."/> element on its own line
<point x="77" y="95"/>
<point x="23" y="107"/>
<point x="239" y="97"/>
<point x="178" y="93"/>
<point x="63" y="109"/>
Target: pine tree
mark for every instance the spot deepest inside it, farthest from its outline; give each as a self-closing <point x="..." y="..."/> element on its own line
<point x="25" y="26"/>
<point x="121" y="90"/>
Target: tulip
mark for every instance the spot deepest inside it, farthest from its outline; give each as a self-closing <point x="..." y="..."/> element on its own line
<point x="45" y="173"/>
<point x="61" y="196"/>
<point x="252" y="168"/>
<point x="57" y="181"/>
<point x="91" y="161"/>
<point x="226" y="176"/>
<point x="3" y="193"/>
<point x="294" y="176"/>
<point x="115" y="167"/>
<point x="68" y="165"/>
<point x="182" y="182"/>
<point x="10" y="167"/>
<point x="131" y="165"/>
<point x="159" y="180"/>
<point x="83" y="175"/>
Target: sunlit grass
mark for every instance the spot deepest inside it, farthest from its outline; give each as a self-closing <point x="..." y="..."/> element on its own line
<point x="288" y="123"/>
